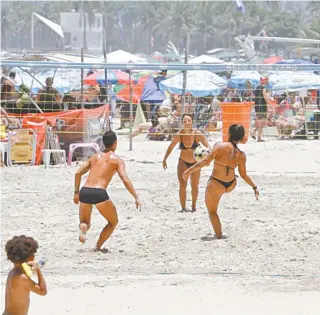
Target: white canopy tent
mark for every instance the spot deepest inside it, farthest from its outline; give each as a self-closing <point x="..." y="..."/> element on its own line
<point x="54" y="26"/>
<point x="58" y="57"/>
<point x="206" y="59"/>
<point x="121" y="56"/>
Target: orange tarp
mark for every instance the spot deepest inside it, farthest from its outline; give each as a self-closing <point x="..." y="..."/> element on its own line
<point x="75" y="125"/>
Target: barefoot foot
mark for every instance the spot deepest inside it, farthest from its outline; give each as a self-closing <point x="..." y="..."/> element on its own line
<point x="101" y="250"/>
<point x="83" y="231"/>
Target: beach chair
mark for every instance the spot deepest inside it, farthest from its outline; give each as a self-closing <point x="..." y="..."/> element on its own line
<point x="21" y="147"/>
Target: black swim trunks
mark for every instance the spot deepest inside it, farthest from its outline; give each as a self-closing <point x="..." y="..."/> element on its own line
<point x="93" y="196"/>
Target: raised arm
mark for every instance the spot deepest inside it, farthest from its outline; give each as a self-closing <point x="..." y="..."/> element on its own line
<point x="204" y="162"/>
<point x="127" y="182"/>
<point x="243" y="173"/>
<point x="39" y="288"/>
<point x="173" y="143"/>
<point x="266" y="97"/>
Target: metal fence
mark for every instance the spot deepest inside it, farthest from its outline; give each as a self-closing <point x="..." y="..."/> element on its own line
<point x="86" y="99"/>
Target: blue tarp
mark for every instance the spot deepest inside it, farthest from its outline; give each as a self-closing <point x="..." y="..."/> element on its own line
<point x="151" y="93"/>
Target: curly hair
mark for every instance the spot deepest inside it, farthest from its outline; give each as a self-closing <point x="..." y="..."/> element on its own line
<point x="20" y="248"/>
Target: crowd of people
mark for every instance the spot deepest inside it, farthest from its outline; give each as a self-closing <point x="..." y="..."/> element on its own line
<point x="286" y="112"/>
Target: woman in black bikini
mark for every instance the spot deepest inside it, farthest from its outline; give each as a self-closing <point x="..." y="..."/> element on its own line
<point x="189" y="139"/>
<point x="227" y="157"/>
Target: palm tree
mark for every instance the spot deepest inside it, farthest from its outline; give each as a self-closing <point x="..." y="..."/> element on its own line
<point x="87" y="15"/>
<point x="205" y="33"/>
<point x="178" y="19"/>
<point x="147" y="16"/>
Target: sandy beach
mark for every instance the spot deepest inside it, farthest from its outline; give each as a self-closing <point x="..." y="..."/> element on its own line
<point x="164" y="261"/>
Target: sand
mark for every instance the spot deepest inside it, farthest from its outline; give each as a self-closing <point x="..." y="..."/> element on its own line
<point x="164" y="261"/>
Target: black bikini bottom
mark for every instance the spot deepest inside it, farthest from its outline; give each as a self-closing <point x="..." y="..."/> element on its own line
<point x="188" y="164"/>
<point x="225" y="184"/>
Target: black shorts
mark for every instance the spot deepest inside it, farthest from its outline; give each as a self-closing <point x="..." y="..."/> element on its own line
<point x="93" y="196"/>
<point x="261" y="116"/>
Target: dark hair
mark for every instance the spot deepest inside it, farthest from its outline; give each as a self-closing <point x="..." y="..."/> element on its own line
<point x="49" y="80"/>
<point x="236" y="134"/>
<point x="186" y="114"/>
<point x="20" y="248"/>
<point x="12" y="74"/>
<point x="109" y="138"/>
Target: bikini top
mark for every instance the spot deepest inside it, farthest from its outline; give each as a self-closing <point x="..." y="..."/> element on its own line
<point x="194" y="144"/>
<point x="227" y="167"/>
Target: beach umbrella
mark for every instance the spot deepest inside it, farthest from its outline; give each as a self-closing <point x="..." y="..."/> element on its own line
<point x="113" y="77"/>
<point x="137" y="90"/>
<point x="278" y="80"/>
<point x="238" y="79"/>
<point x="199" y="83"/>
<point x="272" y="60"/>
<point x="294" y="62"/>
<point x="144" y="91"/>
<point x="296" y="80"/>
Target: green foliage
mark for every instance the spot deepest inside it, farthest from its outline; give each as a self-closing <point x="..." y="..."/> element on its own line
<point x="212" y="24"/>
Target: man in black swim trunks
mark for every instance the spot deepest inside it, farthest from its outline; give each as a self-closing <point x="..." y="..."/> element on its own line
<point x="102" y="167"/>
<point x="261" y="108"/>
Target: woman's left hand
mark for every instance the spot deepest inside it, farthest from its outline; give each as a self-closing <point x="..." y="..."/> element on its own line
<point x="186" y="175"/>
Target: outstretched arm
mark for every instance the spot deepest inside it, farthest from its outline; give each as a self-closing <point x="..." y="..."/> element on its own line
<point x="243" y="173"/>
<point x="204" y="162"/>
<point x="173" y="143"/>
<point x="121" y="169"/>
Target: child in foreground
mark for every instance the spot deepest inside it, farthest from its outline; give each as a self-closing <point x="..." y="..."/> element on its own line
<point x="22" y="249"/>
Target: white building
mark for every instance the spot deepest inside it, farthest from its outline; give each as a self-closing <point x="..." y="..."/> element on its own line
<point x="73" y="31"/>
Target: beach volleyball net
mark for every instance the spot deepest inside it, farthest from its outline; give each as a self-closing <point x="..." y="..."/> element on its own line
<point x="80" y="101"/>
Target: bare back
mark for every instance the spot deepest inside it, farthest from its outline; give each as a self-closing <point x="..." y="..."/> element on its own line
<point x="102" y="168"/>
<point x="227" y="157"/>
<point x="17" y="295"/>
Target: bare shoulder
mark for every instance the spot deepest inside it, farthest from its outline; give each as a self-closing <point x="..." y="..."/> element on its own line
<point x="224" y="145"/>
<point x="217" y="144"/>
<point x="176" y="136"/>
<point x="21" y="278"/>
<point x="114" y="159"/>
<point x="242" y="156"/>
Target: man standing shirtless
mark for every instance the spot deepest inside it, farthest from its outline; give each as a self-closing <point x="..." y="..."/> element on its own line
<point x="102" y="168"/>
